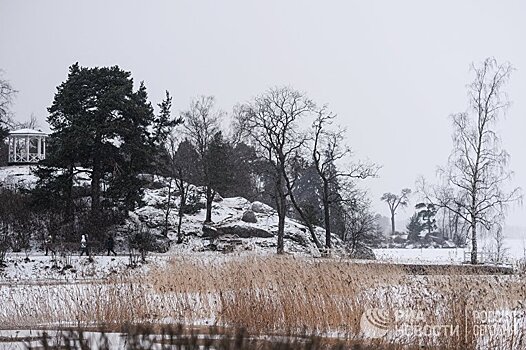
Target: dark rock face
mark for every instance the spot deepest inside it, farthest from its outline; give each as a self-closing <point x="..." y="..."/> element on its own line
<point x="210" y="231"/>
<point x="299" y="239"/>
<point x="240" y="231"/>
<point x="249" y="216"/>
<point x="245" y="231"/>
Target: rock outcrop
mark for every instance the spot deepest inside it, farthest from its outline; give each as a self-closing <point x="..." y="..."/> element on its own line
<point x="236" y="230"/>
<point x="249" y="216"/>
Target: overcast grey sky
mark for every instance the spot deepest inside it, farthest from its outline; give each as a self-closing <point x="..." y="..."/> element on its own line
<point x="392" y="70"/>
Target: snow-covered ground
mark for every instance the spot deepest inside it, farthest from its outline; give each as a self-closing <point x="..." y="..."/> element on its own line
<point x="17" y="176"/>
<point x="513" y="250"/>
<point x="420" y="256"/>
<point x="39" y="268"/>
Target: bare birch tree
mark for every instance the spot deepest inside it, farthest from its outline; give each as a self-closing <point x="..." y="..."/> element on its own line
<point x="477" y="168"/>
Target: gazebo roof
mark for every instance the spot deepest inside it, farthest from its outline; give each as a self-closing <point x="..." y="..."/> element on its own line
<point x="27" y="132"/>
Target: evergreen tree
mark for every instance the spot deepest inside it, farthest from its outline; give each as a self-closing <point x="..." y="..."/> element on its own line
<point x="427" y="213"/>
<point x="100" y="123"/>
<point x="246" y="170"/>
<point x="414" y="227"/>
<point x="221" y="164"/>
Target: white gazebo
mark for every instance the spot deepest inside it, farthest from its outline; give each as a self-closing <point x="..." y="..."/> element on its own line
<point x="26" y="146"/>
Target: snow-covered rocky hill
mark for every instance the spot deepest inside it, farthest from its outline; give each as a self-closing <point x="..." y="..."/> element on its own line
<point x="237" y="224"/>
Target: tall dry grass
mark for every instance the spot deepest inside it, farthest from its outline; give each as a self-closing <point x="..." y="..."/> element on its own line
<point x="279" y="295"/>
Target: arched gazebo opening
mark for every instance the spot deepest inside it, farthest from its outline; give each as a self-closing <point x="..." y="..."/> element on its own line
<point x="26" y="146"/>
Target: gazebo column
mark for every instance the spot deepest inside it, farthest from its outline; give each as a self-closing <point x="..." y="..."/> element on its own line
<point x="14" y="149"/>
<point x="44" y="148"/>
<point x="9" y="149"/>
<point x="27" y="148"/>
<point x="39" y="148"/>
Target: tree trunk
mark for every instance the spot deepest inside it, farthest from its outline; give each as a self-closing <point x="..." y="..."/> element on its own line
<point x="474" y="259"/>
<point x="393" y="223"/>
<point x="95" y="188"/>
<point x="167" y="208"/>
<point x="182" y="204"/>
<point x="209" y="200"/>
<point x="281" y="231"/>
<point x="281" y="203"/>
<point x="327" y="215"/>
<point x="69" y="194"/>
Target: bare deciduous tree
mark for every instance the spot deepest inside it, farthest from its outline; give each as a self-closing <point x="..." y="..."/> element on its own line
<point x="395" y="201"/>
<point x="201" y="123"/>
<point x="7" y="94"/>
<point x="327" y="149"/>
<point x="183" y="168"/>
<point x="271" y="123"/>
<point x="477" y="167"/>
<point x="361" y="225"/>
<point x="32" y="123"/>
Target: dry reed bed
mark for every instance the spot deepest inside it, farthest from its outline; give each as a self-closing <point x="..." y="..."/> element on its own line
<point x="270" y="294"/>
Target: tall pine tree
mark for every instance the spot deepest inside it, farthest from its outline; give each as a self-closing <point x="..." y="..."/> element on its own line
<point x="100" y="123"/>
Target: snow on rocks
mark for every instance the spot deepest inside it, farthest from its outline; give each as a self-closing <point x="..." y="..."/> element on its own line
<point x="20" y="176"/>
<point x="262" y="208"/>
<point x="238" y="224"/>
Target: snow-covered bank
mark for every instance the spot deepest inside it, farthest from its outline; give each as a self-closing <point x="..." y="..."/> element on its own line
<point x="513" y="251"/>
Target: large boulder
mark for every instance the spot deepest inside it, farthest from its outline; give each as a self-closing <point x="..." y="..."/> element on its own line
<point x="245" y="231"/>
<point x="258" y="207"/>
<point x="249" y="216"/>
<point x="210" y="231"/>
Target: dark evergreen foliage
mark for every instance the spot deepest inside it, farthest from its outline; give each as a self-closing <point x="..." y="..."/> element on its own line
<point x="414" y="227"/>
<point x="101" y="124"/>
<point x="427" y="213"/>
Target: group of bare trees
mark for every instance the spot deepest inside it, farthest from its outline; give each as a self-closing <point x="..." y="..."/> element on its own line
<point x="187" y="156"/>
<point x="273" y="122"/>
<point x="473" y="194"/>
<point x="270" y="150"/>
